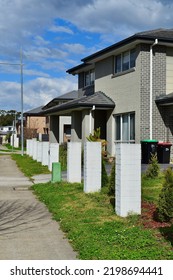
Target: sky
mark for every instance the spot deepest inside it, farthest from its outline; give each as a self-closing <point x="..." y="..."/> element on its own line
<point x="54" y="35"/>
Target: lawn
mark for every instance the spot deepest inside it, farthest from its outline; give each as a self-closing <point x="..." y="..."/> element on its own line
<point x="29" y="166"/>
<point x="96" y="232"/>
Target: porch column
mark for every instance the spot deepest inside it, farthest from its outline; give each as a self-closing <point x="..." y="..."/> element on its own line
<point x="54" y="129"/>
<point x="76" y="120"/>
<point x="87" y="123"/>
<point x="110" y="132"/>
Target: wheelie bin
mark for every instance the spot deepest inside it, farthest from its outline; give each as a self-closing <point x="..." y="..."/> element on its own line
<point x="149" y="148"/>
<point x="163" y="152"/>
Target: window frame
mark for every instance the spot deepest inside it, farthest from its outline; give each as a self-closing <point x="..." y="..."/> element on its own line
<point x="91" y="77"/>
<point x="125" y="61"/>
<point x="130" y="132"/>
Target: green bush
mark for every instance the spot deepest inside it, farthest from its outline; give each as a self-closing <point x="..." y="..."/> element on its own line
<point x="63" y="156"/>
<point x="104" y="175"/>
<point x="112" y="180"/>
<point x="153" y="169"/>
<point x="164" y="211"/>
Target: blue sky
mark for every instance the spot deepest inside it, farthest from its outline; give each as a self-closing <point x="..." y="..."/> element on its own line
<point x="56" y="34"/>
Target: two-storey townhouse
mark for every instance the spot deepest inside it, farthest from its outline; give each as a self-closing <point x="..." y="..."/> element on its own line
<point x="126" y="89"/>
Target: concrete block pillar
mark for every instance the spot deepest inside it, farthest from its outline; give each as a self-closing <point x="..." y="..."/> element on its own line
<point x="28" y="146"/>
<point x="128" y="179"/>
<point x="74" y="162"/>
<point x="39" y="151"/>
<point x="16" y="142"/>
<point x="53" y="154"/>
<point x="45" y="153"/>
<point x="92" y="167"/>
<point x="32" y="146"/>
<point x="34" y="156"/>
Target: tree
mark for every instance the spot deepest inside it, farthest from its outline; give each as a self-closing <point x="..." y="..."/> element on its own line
<point x="7" y="117"/>
<point x="164" y="211"/>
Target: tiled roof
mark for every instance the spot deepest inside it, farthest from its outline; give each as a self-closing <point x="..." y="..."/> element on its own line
<point x="34" y="112"/>
<point x="165" y="99"/>
<point x="98" y="99"/>
<point x="160" y="33"/>
<point x="64" y="97"/>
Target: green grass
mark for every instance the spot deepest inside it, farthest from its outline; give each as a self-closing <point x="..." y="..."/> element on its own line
<point x="151" y="188"/>
<point x="29" y="166"/>
<point x="91" y="225"/>
<point x="94" y="229"/>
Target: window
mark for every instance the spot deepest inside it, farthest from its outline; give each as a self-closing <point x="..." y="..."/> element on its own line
<point x="89" y="78"/>
<point x="125" y="61"/>
<point x="125" y="127"/>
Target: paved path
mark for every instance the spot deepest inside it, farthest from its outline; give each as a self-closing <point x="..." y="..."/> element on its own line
<point x="27" y="231"/>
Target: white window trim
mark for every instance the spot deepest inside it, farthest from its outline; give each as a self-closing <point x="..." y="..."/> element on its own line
<point x="121" y="128"/>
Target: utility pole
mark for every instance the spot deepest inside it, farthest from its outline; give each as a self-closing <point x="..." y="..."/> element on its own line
<point x="21" y="82"/>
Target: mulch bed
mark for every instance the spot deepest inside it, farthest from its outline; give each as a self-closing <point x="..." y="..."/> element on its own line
<point x="147" y="216"/>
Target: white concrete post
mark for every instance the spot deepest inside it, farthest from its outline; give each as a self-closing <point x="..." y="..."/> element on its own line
<point x="74" y="162"/>
<point x="32" y="146"/>
<point x="34" y="150"/>
<point x="128" y="179"/>
<point x="92" y="167"/>
<point x="45" y="153"/>
<point x="39" y="151"/>
<point x="27" y="146"/>
<point x="16" y="141"/>
<point x="53" y="154"/>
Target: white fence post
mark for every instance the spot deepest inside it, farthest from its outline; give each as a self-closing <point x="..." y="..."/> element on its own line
<point x="39" y="151"/>
<point x="45" y="153"/>
<point x="53" y="154"/>
<point x="128" y="179"/>
<point x="74" y="162"/>
<point x="92" y="167"/>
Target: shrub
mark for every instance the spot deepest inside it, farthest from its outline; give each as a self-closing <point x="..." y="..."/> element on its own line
<point x="63" y="156"/>
<point x="112" y="180"/>
<point x="164" y="211"/>
<point x="153" y="169"/>
<point x="104" y="175"/>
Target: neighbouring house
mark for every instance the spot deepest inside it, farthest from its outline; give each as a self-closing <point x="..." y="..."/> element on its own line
<point x="126" y="89"/>
<point x="38" y="123"/>
<point x="4" y="132"/>
<point x="35" y="123"/>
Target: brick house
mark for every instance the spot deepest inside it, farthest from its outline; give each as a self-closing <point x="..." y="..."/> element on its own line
<point x="38" y="123"/>
<point x="126" y="89"/>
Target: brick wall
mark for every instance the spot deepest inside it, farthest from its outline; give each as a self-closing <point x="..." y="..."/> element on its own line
<point x="159" y="88"/>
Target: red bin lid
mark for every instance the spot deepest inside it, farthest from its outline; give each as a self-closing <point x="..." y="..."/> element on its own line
<point x="164" y="144"/>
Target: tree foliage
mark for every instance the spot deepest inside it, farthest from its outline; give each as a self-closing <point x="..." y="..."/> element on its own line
<point x="164" y="212"/>
<point x="7" y="117"/>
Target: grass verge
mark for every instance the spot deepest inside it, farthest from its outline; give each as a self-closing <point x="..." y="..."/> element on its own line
<point x="91" y="225"/>
<point x="94" y="229"/>
<point x="29" y="166"/>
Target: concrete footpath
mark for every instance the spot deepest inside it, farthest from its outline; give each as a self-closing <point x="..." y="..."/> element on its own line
<point x="27" y="231"/>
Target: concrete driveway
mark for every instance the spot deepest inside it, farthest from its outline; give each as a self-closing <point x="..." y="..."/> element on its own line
<point x="27" y="231"/>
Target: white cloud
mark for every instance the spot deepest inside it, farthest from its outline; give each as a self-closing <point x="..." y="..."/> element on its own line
<point x="75" y="48"/>
<point x="57" y="29"/>
<point x="25" y="22"/>
<point x="119" y="17"/>
<point x="35" y="92"/>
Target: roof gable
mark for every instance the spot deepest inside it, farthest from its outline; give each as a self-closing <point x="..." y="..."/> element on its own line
<point x="163" y="35"/>
<point x="98" y="99"/>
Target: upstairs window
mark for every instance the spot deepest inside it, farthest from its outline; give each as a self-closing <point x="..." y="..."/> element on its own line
<point x="89" y="78"/>
<point x="125" y="61"/>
